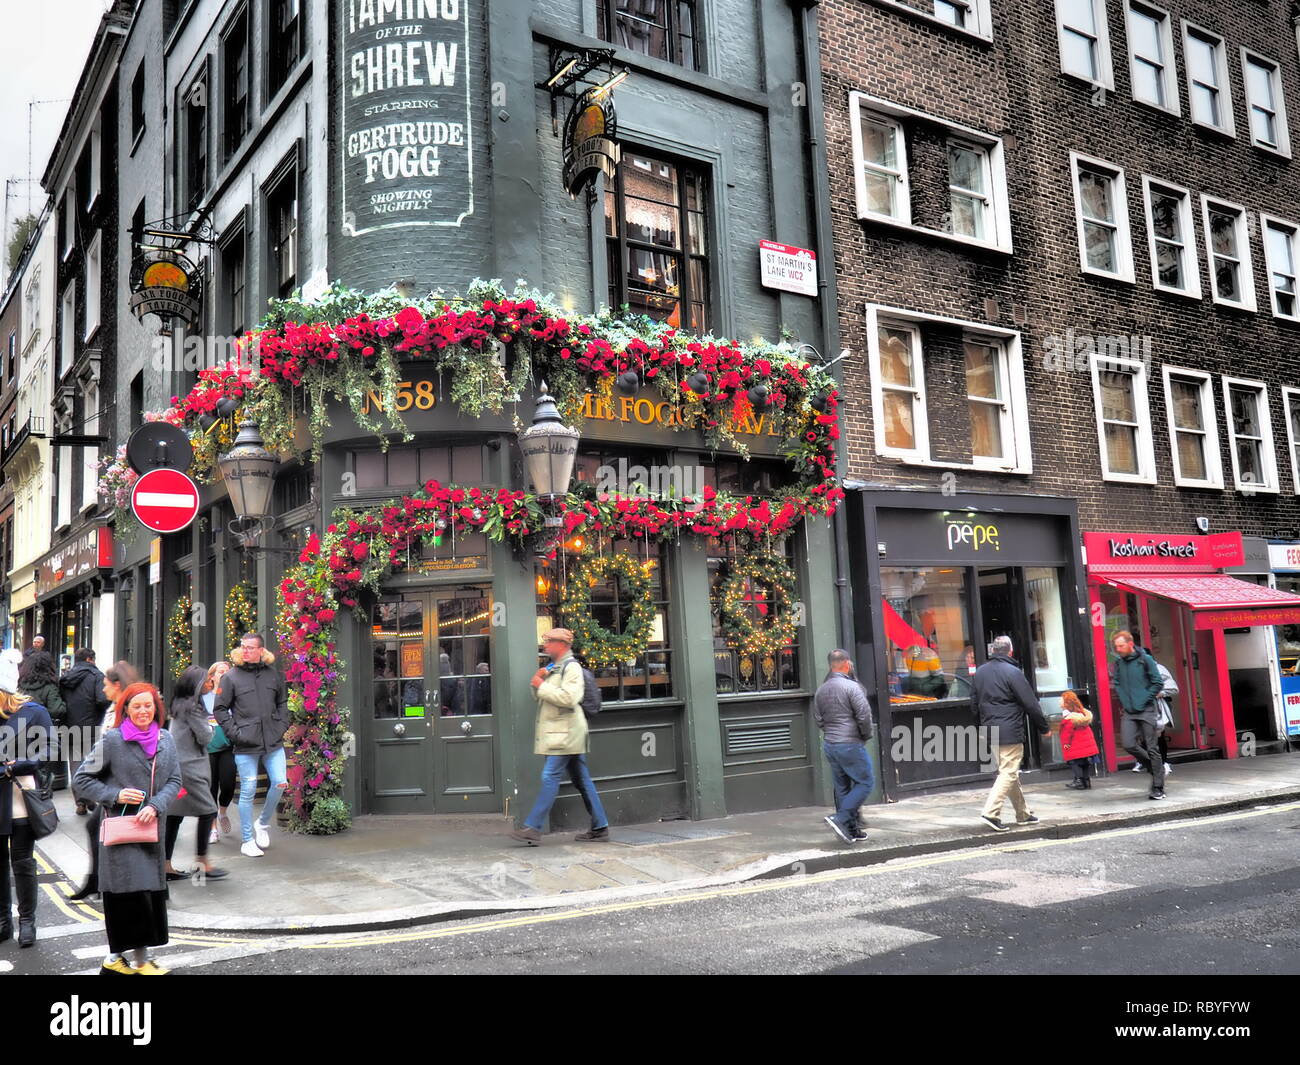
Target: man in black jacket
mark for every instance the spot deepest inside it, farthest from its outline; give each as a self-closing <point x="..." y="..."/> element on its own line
<point x="842" y="713"/>
<point x="82" y="688"/>
<point x="1001" y="699"/>
<point x="252" y="709"/>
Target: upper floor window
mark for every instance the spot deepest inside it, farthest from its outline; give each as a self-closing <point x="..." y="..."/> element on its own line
<point x="1227" y="246"/>
<point x="236" y="116"/>
<point x="1101" y="218"/>
<point x="661" y="29"/>
<point x="11" y="358"/>
<point x="1291" y="400"/>
<point x="233" y="297"/>
<point x="656" y="238"/>
<point x="68" y="218"/>
<point x="94" y="161"/>
<point x="286" y="42"/>
<point x="196" y="143"/>
<point x="1119" y="390"/>
<point x="1266" y="103"/>
<point x="67" y="329"/>
<point x="1193" y="428"/>
<point x="954" y="12"/>
<point x="1207" y="77"/>
<point x="1280" y="255"/>
<point x="94" y="279"/>
<point x="975" y="210"/>
<point x="910" y="350"/>
<point x="1172" y="239"/>
<point x="1151" y="56"/>
<point x="1084" y="40"/>
<point x="282" y="216"/>
<point x="1250" y="435"/>
<point x="137" y="104"/>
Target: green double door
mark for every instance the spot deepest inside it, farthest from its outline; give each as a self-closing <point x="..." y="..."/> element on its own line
<point x="433" y="730"/>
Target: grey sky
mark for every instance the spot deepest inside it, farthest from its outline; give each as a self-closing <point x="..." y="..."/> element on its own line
<point x="43" y="45"/>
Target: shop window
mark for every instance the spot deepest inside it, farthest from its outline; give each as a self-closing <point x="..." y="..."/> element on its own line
<point x="1171" y="239"/>
<point x="649" y="673"/>
<point x="656" y="238"/>
<point x="660" y="29"/>
<point x="406" y="468"/>
<point x="286" y="24"/>
<point x="1227" y="244"/>
<point x="910" y="352"/>
<point x="1193" y="428"/>
<point x="236" y="117"/>
<point x="895" y="148"/>
<point x="738" y="672"/>
<point x="1084" y="40"/>
<point x="1288" y="636"/>
<point x="1101" y="218"/>
<point x="929" y="653"/>
<point x="1206" y="65"/>
<point x="1250" y="435"/>
<point x="1119" y="389"/>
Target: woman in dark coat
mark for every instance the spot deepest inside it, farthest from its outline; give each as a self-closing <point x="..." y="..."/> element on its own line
<point x="40" y="680"/>
<point x="133" y="769"/>
<point x="20" y="717"/>
<point x="190" y="729"/>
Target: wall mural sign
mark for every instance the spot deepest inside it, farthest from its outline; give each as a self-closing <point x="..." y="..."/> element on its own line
<point x="165" y="283"/>
<point x="406" y="125"/>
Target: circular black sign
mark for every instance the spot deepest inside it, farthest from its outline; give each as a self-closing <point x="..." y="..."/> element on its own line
<point x="159" y="445"/>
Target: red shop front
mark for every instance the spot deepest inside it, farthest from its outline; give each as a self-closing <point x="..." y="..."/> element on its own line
<point x="1170" y="591"/>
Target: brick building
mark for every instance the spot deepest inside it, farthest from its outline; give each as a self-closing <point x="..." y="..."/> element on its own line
<point x="1066" y="275"/>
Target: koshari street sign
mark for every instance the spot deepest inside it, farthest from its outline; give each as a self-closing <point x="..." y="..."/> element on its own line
<point x="165" y="500"/>
<point x="788" y="268"/>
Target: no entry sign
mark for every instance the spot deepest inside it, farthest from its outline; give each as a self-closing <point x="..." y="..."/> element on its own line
<point x="165" y="500"/>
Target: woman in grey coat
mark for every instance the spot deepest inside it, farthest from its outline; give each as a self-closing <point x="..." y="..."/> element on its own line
<point x="133" y="769"/>
<point x="190" y="729"/>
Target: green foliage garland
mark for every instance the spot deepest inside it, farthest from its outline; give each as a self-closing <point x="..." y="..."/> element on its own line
<point x="241" y="614"/>
<point x="598" y="646"/>
<point x="180" y="637"/>
<point x="741" y="628"/>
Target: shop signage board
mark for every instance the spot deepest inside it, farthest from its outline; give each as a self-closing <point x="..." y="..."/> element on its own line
<point x="165" y="283"/>
<point x="405" y="107"/>
<point x="165" y="500"/>
<point x="1161" y="552"/>
<point x="1284" y="556"/>
<point x="785" y="267"/>
<point x="590" y="140"/>
<point x="1291" y="701"/>
<point x="968" y="536"/>
<point x="155" y="560"/>
<point x="92" y="550"/>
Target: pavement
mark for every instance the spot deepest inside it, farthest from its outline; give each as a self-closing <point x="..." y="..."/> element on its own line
<point x="394" y="872"/>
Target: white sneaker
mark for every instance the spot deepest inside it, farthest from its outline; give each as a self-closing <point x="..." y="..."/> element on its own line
<point x="1168" y="769"/>
<point x="251" y="850"/>
<point x="261" y="835"/>
<point x="1138" y="768"/>
<point x="214" y="836"/>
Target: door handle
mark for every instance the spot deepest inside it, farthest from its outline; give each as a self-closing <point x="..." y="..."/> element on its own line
<point x="466" y="727"/>
<point x="399" y="729"/>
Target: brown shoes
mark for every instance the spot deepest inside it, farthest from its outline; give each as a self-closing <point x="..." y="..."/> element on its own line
<point x="527" y="835"/>
<point x="594" y="835"/>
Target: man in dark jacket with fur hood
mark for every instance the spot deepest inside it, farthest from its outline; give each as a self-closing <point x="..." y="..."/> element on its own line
<point x="252" y="709"/>
<point x="1001" y="699"/>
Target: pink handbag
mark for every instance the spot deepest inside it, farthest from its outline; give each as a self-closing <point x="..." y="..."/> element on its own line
<point x="127" y="828"/>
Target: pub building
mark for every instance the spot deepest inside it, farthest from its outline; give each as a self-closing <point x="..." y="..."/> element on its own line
<point x="937" y="577"/>
<point x="1208" y="627"/>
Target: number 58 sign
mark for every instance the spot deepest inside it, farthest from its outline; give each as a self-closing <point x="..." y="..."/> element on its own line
<point x="418" y="394"/>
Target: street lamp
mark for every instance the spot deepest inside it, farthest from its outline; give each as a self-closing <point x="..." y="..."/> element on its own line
<point x="249" y="472"/>
<point x="549" y="448"/>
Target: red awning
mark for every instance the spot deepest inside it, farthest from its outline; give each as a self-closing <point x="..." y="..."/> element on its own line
<point x="1219" y="601"/>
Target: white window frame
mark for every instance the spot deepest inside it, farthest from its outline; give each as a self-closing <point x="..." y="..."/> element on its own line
<point x="979" y="26"/>
<point x="1283" y="146"/>
<point x="1213" y="445"/>
<point x="1145" y="446"/>
<point x="1191" y="29"/>
<point x="1123" y="235"/>
<point x="1187" y="227"/>
<point x="94" y="257"/>
<point x="986" y="168"/>
<point x="1246" y="266"/>
<point x="1265" y="221"/>
<point x="96" y="163"/>
<point x="1018" y="448"/>
<point x="902" y="192"/>
<point x="68" y="237"/>
<point x="1168" y="72"/>
<point x="1266" y="429"/>
<point x="68" y="326"/>
<point x="1105" y="70"/>
<point x="90" y="453"/>
<point x="1292" y="438"/>
<point x="1007" y="422"/>
<point x="1000" y="215"/>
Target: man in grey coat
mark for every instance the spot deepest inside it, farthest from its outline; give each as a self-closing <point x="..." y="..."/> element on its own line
<point x="841" y="711"/>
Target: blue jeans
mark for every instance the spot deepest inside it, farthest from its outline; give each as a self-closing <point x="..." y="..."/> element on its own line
<point x="557" y="767"/>
<point x="246" y="766"/>
<point x="854" y="779"/>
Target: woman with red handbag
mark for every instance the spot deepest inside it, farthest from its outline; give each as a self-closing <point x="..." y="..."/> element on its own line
<point x="135" y="772"/>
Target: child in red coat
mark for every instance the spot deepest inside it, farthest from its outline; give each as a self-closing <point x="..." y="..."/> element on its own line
<point x="1078" y="743"/>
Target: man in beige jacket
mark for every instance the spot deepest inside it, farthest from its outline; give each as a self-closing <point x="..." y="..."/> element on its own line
<point x="562" y="737"/>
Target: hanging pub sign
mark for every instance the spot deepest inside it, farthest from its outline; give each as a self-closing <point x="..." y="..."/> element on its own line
<point x="590" y="140"/>
<point x="166" y="283"/>
<point x="406" y="134"/>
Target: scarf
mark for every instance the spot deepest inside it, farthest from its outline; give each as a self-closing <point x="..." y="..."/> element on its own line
<point x="146" y="738"/>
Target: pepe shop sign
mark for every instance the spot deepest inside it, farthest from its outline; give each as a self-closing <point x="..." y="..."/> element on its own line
<point x="406" y="136"/>
<point x="975" y="535"/>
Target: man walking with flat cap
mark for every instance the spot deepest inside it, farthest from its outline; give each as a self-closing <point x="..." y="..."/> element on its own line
<point x="562" y="737"/>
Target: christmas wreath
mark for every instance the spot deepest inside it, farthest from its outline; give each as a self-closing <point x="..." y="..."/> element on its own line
<point x="750" y="630"/>
<point x="241" y="614"/>
<point x="180" y="637"/>
<point x="599" y="646"/>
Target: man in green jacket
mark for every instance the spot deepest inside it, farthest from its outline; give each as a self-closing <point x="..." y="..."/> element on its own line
<point x="1136" y="682"/>
<point x="562" y="737"/>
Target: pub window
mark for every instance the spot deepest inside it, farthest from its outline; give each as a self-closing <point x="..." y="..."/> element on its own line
<point x="928" y="647"/>
<point x="293" y="490"/>
<point x="660" y="29"/>
<point x="137" y="104"/>
<point x="235" y="80"/>
<point x="233" y="282"/>
<point x="196" y="142"/>
<point x="656" y="226"/>
<point x="738" y="671"/>
<point x="282" y="212"/>
<point x="647" y="674"/>
<point x="286" y="42"/>
<point x="409" y="467"/>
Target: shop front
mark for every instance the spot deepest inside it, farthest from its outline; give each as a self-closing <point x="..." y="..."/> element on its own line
<point x="71" y="596"/>
<point x="939" y="578"/>
<point x="438" y="673"/>
<point x="1206" y="626"/>
<point x="1284" y="561"/>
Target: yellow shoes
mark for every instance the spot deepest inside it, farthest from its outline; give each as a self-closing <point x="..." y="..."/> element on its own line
<point x="152" y="968"/>
<point x="117" y="965"/>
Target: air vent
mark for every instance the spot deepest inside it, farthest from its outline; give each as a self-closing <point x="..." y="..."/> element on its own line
<point x="751" y="739"/>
